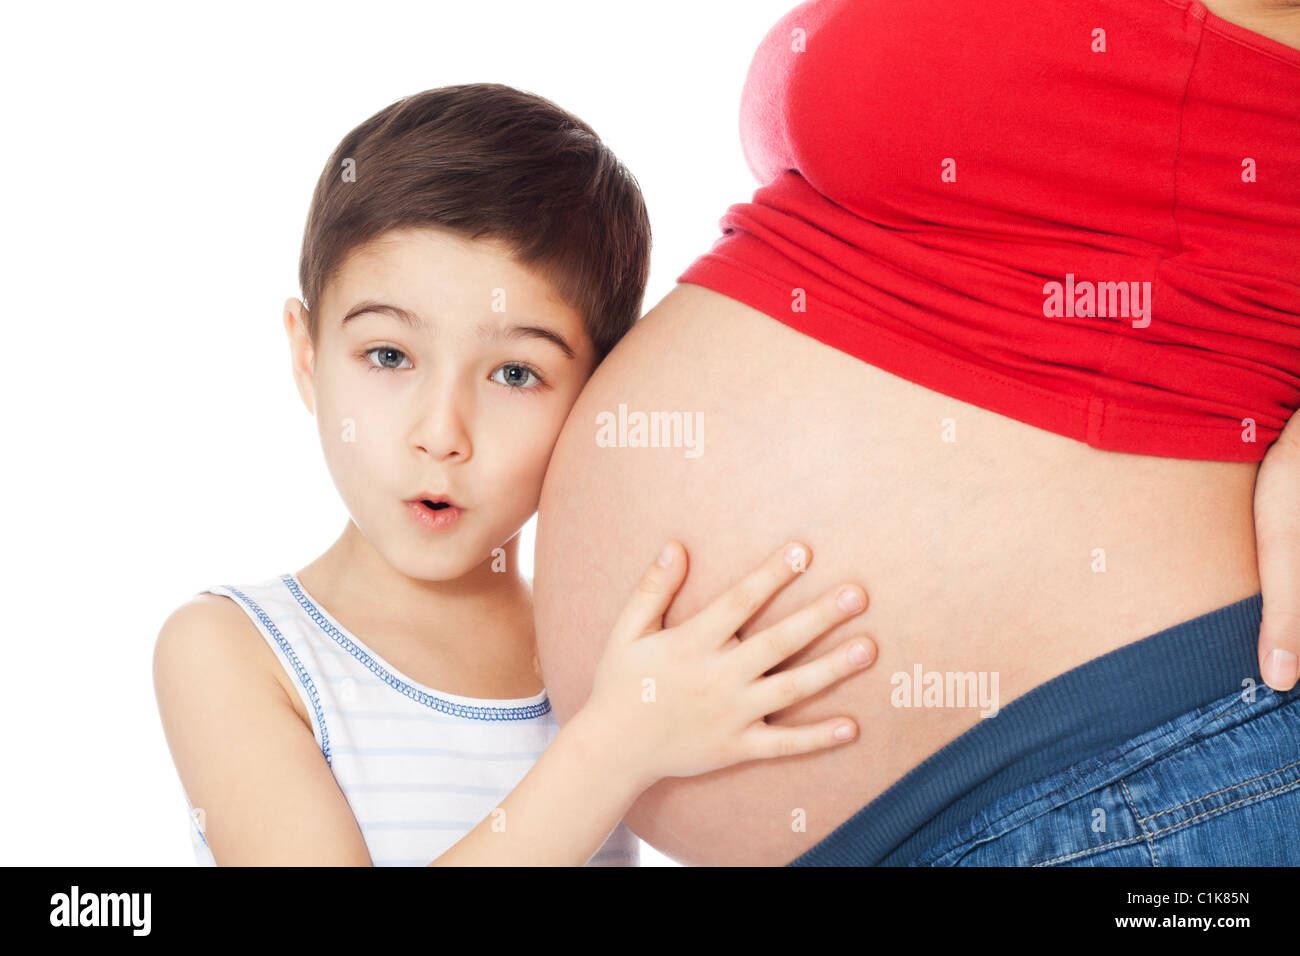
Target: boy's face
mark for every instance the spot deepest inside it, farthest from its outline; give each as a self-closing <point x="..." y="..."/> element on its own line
<point x="457" y="402"/>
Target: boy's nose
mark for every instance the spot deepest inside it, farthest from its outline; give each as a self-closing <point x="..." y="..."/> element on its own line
<point x="440" y="430"/>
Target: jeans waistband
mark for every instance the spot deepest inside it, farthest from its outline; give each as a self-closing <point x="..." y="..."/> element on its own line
<point x="1076" y="715"/>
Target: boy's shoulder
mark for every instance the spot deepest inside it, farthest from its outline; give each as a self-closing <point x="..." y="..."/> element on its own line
<point x="206" y="623"/>
<point x="210" y="638"/>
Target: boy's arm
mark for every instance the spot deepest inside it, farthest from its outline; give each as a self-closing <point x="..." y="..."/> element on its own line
<point x="268" y="797"/>
<point x="244" y="756"/>
<point x="561" y="811"/>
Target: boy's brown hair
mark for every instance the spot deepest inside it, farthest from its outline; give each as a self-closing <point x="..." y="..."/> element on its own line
<point x="485" y="160"/>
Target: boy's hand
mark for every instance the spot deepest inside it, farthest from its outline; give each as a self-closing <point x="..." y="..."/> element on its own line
<point x="692" y="698"/>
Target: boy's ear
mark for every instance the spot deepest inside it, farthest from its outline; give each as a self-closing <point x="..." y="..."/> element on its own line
<point x="302" y="352"/>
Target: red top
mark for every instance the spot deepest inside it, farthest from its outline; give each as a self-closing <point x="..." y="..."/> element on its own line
<point x="945" y="183"/>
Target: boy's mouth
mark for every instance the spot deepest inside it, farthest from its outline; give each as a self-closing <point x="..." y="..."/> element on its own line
<point x="434" y="513"/>
<point x="433" y="502"/>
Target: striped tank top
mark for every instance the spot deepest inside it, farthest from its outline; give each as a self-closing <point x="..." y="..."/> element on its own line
<point x="420" y="768"/>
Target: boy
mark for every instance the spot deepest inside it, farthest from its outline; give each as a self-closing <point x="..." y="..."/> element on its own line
<point x="471" y="254"/>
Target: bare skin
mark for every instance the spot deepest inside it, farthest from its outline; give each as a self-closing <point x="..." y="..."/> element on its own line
<point x="426" y="415"/>
<point x="977" y="553"/>
<point x="242" y="667"/>
<point x="1276" y="19"/>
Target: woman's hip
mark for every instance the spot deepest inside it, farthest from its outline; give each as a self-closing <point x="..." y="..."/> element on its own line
<point x="1216" y="786"/>
<point x="1167" y="751"/>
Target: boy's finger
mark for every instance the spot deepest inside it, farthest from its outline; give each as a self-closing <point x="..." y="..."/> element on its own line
<point x="644" y="612"/>
<point x="786" y="688"/>
<point x="764" y="741"/>
<point x="731" y="609"/>
<point x="772" y="645"/>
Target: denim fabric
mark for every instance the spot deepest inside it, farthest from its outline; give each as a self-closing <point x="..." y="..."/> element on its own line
<point x="1168" y="751"/>
<point x="1218" y="786"/>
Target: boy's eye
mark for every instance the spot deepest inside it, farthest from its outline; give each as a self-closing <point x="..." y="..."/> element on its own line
<point x="517" y="376"/>
<point x="385" y="356"/>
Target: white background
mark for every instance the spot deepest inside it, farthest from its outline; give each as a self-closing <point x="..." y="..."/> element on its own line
<point x="157" y="166"/>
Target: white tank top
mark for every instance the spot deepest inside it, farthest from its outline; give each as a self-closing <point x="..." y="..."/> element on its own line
<point x="420" y="768"/>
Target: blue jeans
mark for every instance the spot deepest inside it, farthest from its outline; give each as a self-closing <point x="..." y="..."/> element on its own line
<point x="1066" y="782"/>
<point x="1216" y="786"/>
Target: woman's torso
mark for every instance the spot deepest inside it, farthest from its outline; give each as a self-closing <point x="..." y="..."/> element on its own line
<point x="987" y="546"/>
<point x="1009" y="550"/>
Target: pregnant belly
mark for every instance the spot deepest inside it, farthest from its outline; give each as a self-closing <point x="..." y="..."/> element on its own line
<point x="985" y="545"/>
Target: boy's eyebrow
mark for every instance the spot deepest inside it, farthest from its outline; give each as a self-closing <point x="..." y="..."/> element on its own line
<point x="486" y="330"/>
<point x="397" y="312"/>
<point x="489" y="330"/>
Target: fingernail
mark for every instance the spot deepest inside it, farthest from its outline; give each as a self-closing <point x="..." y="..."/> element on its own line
<point x="797" y="558"/>
<point x="1281" y="666"/>
<point x="665" y="556"/>
<point x="843" y="731"/>
<point x="850" y="600"/>
<point x="858" y="654"/>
